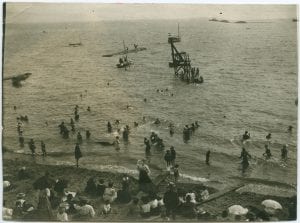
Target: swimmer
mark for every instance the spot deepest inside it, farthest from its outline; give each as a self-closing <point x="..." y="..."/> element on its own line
<point x="107" y="83"/>
<point x="43" y="148"/>
<point x="290" y="129"/>
<point x="145" y="99"/>
<point x="15" y="108"/>
<point x="144" y="119"/>
<point x="136" y="124"/>
<point x="269" y="136"/>
<point x="267" y="154"/>
<point x="89" y="109"/>
<point x="157" y="121"/>
<point x="246" y="135"/>
<point x="46" y="123"/>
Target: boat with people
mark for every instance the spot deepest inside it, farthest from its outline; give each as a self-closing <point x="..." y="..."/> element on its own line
<point x="123" y="61"/>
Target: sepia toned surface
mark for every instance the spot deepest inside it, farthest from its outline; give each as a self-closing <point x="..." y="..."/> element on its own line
<point x="250" y="84"/>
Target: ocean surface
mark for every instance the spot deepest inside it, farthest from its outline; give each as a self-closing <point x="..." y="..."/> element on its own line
<point x="250" y="83"/>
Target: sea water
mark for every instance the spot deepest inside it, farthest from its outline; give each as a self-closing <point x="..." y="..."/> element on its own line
<point x="250" y="83"/>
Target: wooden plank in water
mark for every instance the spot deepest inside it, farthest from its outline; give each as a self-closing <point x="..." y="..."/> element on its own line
<point x="222" y="193"/>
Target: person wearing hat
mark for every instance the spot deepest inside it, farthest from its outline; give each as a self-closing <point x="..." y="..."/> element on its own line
<point x="171" y="201"/>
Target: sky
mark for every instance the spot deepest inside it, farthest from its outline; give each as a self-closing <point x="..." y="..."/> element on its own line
<point x="82" y="12"/>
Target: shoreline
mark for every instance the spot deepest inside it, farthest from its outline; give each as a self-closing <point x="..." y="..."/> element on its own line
<point x="286" y="188"/>
<point x="78" y="177"/>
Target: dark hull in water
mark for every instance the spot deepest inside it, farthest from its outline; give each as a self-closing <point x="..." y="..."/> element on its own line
<point x="125" y="52"/>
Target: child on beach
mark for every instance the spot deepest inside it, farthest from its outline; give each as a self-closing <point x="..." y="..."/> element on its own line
<point x="106" y="208"/>
<point x="62" y="215"/>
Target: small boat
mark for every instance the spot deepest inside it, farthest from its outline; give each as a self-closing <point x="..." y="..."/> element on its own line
<point x="75" y="44"/>
<point x="135" y="50"/>
<point x="123" y="61"/>
<point x="174" y="39"/>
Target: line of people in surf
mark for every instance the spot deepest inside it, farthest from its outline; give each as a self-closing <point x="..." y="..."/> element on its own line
<point x="245" y="156"/>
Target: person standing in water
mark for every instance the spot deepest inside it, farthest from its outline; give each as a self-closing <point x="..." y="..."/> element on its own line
<point x="284" y="153"/>
<point x="245" y="162"/>
<point x="78" y="154"/>
<point x="207" y="158"/>
<point x="43" y="148"/>
<point x="117" y="143"/>
<point x="267" y="154"/>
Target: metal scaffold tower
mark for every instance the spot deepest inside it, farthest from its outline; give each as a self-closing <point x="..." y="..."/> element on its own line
<point x="182" y="65"/>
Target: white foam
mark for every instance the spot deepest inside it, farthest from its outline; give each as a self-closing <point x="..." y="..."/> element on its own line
<point x="193" y="178"/>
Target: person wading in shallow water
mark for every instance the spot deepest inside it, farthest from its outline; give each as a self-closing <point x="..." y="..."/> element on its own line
<point x="78" y="154"/>
<point x="207" y="158"/>
<point x="245" y="162"/>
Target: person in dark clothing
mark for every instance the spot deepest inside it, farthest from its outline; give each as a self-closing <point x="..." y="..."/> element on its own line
<point x="79" y="137"/>
<point x="21" y="140"/>
<point x="23" y="174"/>
<point x="124" y="195"/>
<point x="60" y="186"/>
<point x="267" y="154"/>
<point x="91" y="187"/>
<point x="290" y="129"/>
<point x="245" y="162"/>
<point x="207" y="157"/>
<point x="87" y="134"/>
<point x="168" y="158"/>
<point x="101" y="188"/>
<point x="176" y="172"/>
<point x="269" y="136"/>
<point x="171" y="201"/>
<point x="109" y="127"/>
<point x="246" y="135"/>
<point x="43" y="148"/>
<point x="148" y="147"/>
<point x="61" y="127"/>
<point x="171" y="129"/>
<point x="173" y="155"/>
<point x="78" y="153"/>
<point x="284" y="152"/>
<point x="32" y="147"/>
